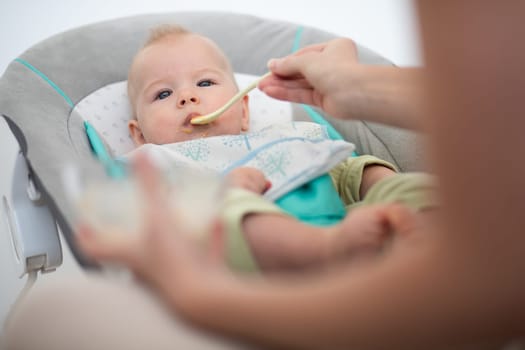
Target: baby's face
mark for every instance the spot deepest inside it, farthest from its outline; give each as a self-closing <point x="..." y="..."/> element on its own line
<point x="176" y="79"/>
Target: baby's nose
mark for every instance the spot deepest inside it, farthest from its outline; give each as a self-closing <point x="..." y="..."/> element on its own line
<point x="187" y="97"/>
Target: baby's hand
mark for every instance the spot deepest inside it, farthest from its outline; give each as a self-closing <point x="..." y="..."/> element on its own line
<point x="367" y="230"/>
<point x="250" y="179"/>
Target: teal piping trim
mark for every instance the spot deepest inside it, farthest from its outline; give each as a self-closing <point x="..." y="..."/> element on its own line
<point x="314" y="115"/>
<point x="318" y="118"/>
<point x="297" y="40"/>
<point x="113" y="168"/>
<point x="47" y="80"/>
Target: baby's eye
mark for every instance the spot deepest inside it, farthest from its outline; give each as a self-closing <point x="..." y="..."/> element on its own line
<point x="163" y="94"/>
<point x="205" y="83"/>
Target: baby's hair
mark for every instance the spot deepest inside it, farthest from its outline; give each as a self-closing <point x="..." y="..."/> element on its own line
<point x="159" y="33"/>
<point x="164" y="30"/>
<point x="156" y="34"/>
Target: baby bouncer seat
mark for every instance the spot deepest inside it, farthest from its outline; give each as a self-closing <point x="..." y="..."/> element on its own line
<point x="50" y="90"/>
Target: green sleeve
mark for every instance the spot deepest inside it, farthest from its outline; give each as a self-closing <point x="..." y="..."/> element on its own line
<point x="237" y="204"/>
<point x="347" y="176"/>
<point x="415" y="190"/>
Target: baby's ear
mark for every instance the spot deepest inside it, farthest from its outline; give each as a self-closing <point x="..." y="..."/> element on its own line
<point x="245" y="122"/>
<point x="136" y="133"/>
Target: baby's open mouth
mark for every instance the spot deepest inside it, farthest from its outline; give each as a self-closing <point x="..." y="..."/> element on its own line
<point x="189" y="117"/>
<point x="189" y="128"/>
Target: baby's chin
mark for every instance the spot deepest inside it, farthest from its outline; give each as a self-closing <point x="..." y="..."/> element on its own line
<point x="191" y="134"/>
<point x="199" y="133"/>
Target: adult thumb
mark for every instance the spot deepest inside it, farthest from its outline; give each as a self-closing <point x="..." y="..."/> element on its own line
<point x="290" y="66"/>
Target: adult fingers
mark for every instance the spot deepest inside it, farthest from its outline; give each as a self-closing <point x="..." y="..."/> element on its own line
<point x="106" y="246"/>
<point x="217" y="243"/>
<point x="148" y="178"/>
<point x="342" y="47"/>
<point x="277" y="66"/>
<point x="288" y="89"/>
<point x="284" y="82"/>
<point x="401" y="219"/>
<point x="292" y="66"/>
<point x="310" y="48"/>
<point x="298" y="63"/>
<point x="157" y="214"/>
<point x="305" y="96"/>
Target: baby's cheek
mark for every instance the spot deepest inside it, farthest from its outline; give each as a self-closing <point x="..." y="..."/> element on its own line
<point x="231" y="122"/>
<point x="159" y="136"/>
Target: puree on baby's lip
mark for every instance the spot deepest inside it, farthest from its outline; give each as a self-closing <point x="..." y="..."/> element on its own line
<point x="190" y="131"/>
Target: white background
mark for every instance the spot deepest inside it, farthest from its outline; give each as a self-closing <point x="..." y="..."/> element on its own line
<point x="388" y="27"/>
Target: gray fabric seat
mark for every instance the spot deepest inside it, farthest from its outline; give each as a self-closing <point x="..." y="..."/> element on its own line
<point x="40" y="89"/>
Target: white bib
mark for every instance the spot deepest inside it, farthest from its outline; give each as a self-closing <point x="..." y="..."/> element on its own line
<point x="289" y="154"/>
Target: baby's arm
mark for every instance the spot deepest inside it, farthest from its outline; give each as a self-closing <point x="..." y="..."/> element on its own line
<point x="371" y="175"/>
<point x="280" y="242"/>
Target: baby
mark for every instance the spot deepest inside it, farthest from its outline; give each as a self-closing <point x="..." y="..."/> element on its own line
<point x="179" y="75"/>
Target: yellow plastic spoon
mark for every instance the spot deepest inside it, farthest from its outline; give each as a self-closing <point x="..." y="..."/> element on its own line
<point x="208" y="118"/>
